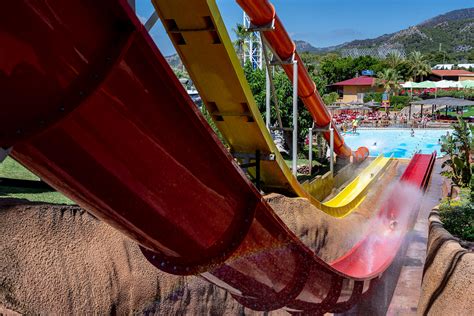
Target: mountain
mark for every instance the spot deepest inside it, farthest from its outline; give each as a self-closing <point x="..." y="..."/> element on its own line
<point x="454" y="31"/>
<point x="174" y="61"/>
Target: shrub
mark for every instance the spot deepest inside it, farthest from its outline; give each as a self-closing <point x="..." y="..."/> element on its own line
<point x="376" y="96"/>
<point x="330" y="98"/>
<point x="458" y="216"/>
<point x="399" y="102"/>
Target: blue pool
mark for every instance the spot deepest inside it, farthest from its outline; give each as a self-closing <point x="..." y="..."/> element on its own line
<point x="397" y="141"/>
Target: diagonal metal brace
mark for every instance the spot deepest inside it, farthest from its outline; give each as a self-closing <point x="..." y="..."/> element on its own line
<point x="4" y="153"/>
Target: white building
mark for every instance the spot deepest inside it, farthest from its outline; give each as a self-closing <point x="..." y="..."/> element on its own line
<point x="451" y="66"/>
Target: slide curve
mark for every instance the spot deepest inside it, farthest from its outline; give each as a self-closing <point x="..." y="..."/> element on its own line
<point x="95" y="111"/>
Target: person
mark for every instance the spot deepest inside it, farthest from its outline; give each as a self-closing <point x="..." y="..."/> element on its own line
<point x="344" y="126"/>
<point x="412" y="133"/>
<point x="354" y="126"/>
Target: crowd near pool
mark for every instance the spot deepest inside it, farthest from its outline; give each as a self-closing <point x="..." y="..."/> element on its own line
<point x="397" y="142"/>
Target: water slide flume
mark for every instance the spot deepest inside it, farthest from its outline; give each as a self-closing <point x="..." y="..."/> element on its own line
<point x="355" y="192"/>
<point x="88" y="108"/>
<point x="261" y="14"/>
<point x="201" y="39"/>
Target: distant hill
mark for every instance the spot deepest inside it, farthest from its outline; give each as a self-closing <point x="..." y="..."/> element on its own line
<point x="174" y="61"/>
<point x="453" y="30"/>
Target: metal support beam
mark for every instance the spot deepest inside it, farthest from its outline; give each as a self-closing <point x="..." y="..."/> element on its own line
<point x="151" y="21"/>
<point x="310" y="138"/>
<point x="295" y="117"/>
<point x="267" y="98"/>
<point x="272" y="86"/>
<point x="331" y="150"/>
<point x="258" y="158"/>
<point x="4" y="153"/>
<point x="255" y="28"/>
<point x="257" y="169"/>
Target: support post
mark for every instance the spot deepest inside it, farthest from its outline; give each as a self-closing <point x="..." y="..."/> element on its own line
<point x="331" y="149"/>
<point x="267" y="98"/>
<point x="4" y="152"/>
<point x="257" y="170"/>
<point x="310" y="145"/>
<point x="151" y="21"/>
<point x="295" y="117"/>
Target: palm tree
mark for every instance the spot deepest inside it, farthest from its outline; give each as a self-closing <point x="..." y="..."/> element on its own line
<point x="394" y="59"/>
<point x="240" y="43"/>
<point x="389" y="80"/>
<point x="418" y="65"/>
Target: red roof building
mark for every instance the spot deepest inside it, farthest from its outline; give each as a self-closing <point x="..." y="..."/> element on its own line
<point x="359" y="81"/>
<point x="353" y="90"/>
<point x="455" y="75"/>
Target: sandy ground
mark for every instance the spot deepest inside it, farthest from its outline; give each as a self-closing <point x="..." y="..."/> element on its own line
<point x="61" y="260"/>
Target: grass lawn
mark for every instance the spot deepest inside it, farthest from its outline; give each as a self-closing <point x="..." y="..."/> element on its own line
<point x="468" y="113"/>
<point x="13" y="170"/>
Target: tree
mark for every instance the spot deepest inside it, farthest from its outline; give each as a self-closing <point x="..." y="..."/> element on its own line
<point x="239" y="44"/>
<point x="334" y="68"/>
<point x="330" y="98"/>
<point x="458" y="147"/>
<point x="284" y="92"/>
<point x="394" y="60"/>
<point x="439" y="57"/>
<point x="418" y="65"/>
<point x="389" y="80"/>
<point x="470" y="57"/>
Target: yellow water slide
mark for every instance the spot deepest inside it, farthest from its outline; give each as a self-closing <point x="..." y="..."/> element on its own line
<point x="199" y="35"/>
<point x="354" y="193"/>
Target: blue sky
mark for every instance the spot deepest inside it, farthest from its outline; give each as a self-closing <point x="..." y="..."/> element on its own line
<point x="329" y="22"/>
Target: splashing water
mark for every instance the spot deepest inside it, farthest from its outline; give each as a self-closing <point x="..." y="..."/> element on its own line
<point x="398" y="208"/>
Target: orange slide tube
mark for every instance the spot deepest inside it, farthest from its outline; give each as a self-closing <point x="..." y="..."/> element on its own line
<point x="261" y="13"/>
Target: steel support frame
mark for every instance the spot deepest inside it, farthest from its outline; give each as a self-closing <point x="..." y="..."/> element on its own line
<point x="4" y="152"/>
<point x="295" y="117"/>
<point x="329" y="129"/>
<point x="269" y="87"/>
<point x="257" y="157"/>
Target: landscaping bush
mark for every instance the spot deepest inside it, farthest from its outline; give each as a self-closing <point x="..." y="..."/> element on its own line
<point x="330" y="98"/>
<point x="399" y="102"/>
<point x="458" y="148"/>
<point x="375" y="96"/>
<point x="458" y="216"/>
<point x="461" y="94"/>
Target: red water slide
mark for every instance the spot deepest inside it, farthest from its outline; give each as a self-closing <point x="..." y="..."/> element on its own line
<point x="262" y="14"/>
<point x="91" y="106"/>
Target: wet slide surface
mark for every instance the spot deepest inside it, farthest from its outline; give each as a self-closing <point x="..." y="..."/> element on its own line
<point x="88" y="107"/>
<point x="353" y="194"/>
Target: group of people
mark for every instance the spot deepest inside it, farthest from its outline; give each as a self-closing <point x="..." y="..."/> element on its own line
<point x="353" y="121"/>
<point x="354" y="124"/>
<point x="420" y="120"/>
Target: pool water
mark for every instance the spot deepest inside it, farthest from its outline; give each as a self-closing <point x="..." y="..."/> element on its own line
<point x="398" y="142"/>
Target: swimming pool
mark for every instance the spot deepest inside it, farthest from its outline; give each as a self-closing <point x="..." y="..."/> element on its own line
<point x="397" y="141"/>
